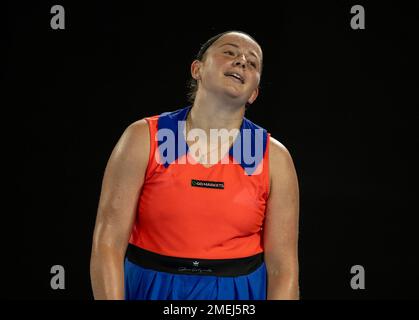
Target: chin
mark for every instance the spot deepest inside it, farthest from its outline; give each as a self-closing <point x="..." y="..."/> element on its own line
<point x="232" y="90"/>
<point x="235" y="97"/>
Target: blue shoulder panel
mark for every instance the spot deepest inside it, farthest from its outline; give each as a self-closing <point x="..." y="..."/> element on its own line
<point x="248" y="148"/>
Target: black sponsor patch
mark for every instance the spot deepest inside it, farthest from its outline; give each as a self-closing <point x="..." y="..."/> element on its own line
<point x="207" y="184"/>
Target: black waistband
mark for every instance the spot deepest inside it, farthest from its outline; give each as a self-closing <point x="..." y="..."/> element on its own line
<point x="211" y="267"/>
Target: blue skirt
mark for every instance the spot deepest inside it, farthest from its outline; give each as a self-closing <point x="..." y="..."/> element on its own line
<point x="147" y="284"/>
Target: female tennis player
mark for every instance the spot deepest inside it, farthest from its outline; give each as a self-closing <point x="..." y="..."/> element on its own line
<point x="183" y="215"/>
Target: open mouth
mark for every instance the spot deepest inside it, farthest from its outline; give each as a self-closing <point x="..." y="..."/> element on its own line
<point x="235" y="75"/>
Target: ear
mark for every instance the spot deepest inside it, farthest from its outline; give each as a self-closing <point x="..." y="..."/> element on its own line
<point x="254" y="95"/>
<point x="195" y="69"/>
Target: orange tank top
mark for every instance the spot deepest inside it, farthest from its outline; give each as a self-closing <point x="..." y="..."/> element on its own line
<point x="188" y="210"/>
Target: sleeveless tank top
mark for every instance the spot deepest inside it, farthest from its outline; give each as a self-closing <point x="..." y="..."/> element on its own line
<point x="188" y="210"/>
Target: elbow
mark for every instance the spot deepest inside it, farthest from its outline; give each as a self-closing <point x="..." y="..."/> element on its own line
<point x="283" y="281"/>
<point x="103" y="248"/>
<point x="106" y="243"/>
<point x="283" y="286"/>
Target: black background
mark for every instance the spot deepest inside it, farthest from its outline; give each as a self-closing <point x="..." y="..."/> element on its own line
<point x="342" y="101"/>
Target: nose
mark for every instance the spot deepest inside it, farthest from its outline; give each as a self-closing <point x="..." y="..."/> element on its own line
<point x="240" y="61"/>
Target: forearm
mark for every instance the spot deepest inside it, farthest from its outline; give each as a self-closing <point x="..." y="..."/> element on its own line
<point x="283" y="286"/>
<point x="107" y="273"/>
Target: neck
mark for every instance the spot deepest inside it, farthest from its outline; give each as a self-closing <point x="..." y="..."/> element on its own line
<point x="208" y="114"/>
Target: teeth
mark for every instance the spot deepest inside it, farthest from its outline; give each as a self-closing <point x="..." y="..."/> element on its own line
<point x="236" y="76"/>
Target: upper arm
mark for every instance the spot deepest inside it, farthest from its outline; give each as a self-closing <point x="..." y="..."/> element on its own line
<point x="281" y="223"/>
<point x="121" y="185"/>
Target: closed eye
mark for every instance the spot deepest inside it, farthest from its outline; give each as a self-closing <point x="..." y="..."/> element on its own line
<point x="231" y="53"/>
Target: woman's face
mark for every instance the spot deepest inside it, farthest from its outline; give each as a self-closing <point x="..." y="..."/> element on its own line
<point x="231" y="65"/>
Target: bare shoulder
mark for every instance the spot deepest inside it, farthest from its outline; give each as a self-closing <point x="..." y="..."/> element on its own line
<point x="134" y="143"/>
<point x="278" y="153"/>
<point x="138" y="129"/>
<point x="138" y="133"/>
<point x="281" y="164"/>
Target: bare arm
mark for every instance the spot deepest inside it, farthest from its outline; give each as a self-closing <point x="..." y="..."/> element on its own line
<point x="121" y="185"/>
<point x="281" y="226"/>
